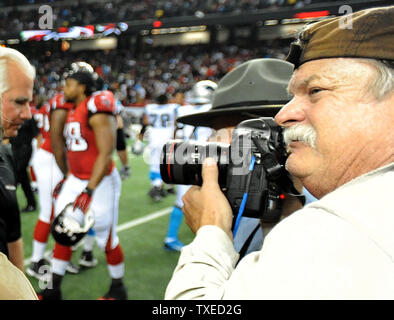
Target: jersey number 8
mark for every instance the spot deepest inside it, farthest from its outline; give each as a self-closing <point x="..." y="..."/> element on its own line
<point x="74" y="139"/>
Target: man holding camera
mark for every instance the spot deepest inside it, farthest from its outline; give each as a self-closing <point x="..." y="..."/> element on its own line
<point x="338" y="130"/>
<point x="256" y="88"/>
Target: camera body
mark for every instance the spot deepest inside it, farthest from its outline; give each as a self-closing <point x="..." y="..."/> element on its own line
<point x="253" y="164"/>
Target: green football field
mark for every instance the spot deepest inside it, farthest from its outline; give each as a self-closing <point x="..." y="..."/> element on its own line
<point x="142" y="228"/>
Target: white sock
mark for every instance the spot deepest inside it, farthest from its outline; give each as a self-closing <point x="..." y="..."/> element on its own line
<point x="116" y="271"/>
<point x="38" y="250"/>
<point x="88" y="243"/>
<point x="157" y="183"/>
<point x="58" y="266"/>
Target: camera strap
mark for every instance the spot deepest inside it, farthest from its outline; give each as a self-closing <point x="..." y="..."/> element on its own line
<point x="245" y="196"/>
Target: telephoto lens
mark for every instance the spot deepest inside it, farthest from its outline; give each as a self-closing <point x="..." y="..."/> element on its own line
<point x="181" y="161"/>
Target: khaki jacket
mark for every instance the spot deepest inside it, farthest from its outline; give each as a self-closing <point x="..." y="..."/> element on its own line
<point x="13" y="283"/>
<point x="340" y="247"/>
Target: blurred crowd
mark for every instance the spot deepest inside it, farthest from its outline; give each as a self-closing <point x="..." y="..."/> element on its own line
<point x="71" y="13"/>
<point x="136" y="80"/>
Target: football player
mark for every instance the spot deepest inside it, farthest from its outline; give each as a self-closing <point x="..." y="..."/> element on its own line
<point x="200" y="100"/>
<point x="121" y="142"/>
<point x="160" y="117"/>
<point x="57" y="123"/>
<point x="93" y="182"/>
<point x="48" y="175"/>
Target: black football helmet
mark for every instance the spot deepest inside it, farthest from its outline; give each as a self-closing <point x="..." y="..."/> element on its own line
<point x="81" y="66"/>
<point x="66" y="230"/>
<point x="84" y="73"/>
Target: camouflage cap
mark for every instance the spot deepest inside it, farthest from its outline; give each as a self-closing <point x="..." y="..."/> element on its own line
<point x="367" y="33"/>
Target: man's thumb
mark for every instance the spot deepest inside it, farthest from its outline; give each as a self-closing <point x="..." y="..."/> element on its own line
<point x="210" y="172"/>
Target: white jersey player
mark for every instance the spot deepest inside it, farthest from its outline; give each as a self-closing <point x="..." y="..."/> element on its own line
<point x="161" y="118"/>
<point x="201" y="96"/>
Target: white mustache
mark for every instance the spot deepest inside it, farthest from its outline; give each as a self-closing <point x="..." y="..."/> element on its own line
<point x="300" y="132"/>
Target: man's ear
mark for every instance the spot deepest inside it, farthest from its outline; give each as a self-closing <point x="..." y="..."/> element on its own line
<point x="82" y="88"/>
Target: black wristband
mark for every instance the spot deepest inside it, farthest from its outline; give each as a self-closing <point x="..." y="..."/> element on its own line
<point x="88" y="191"/>
<point x="143" y="129"/>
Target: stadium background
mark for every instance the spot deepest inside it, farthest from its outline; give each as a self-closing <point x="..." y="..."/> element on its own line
<point x="142" y="49"/>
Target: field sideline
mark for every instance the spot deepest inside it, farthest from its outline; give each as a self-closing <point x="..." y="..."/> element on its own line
<point x="142" y="228"/>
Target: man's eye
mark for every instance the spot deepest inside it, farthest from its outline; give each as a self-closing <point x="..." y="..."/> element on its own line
<point x="21" y="102"/>
<point x="314" y="91"/>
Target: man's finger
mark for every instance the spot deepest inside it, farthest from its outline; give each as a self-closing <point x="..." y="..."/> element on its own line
<point x="210" y="172"/>
<point x="189" y="193"/>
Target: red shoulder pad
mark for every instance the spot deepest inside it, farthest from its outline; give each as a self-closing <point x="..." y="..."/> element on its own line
<point x="33" y="110"/>
<point x="45" y="108"/>
<point x="58" y="102"/>
<point x="102" y="101"/>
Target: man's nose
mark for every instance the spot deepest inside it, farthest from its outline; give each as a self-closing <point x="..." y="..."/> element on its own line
<point x="291" y="113"/>
<point x="25" y="113"/>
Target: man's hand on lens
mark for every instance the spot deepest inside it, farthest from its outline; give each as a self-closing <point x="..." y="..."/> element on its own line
<point x="207" y="205"/>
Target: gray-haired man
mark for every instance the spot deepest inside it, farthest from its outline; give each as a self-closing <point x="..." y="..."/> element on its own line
<point x="16" y="90"/>
<point x="338" y="127"/>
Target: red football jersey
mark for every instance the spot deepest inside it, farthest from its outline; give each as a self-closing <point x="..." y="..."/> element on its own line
<point x="42" y="118"/>
<point x="80" y="139"/>
<point x="58" y="102"/>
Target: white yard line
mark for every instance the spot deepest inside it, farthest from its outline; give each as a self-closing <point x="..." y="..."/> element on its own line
<point x="145" y="219"/>
<point x="128" y="225"/>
